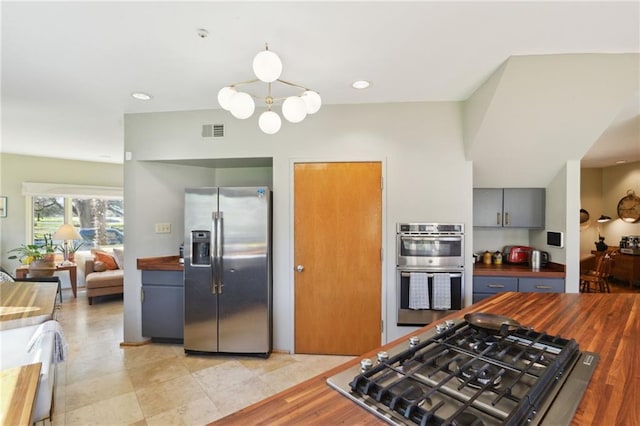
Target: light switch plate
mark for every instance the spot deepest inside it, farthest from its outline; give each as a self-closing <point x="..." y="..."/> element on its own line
<point x="163" y="228"/>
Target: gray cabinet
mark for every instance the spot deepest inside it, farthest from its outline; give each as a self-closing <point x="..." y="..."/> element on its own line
<point x="509" y="207"/>
<point x="541" y="285"/>
<point x="162" y="305"/>
<point x="484" y="287"/>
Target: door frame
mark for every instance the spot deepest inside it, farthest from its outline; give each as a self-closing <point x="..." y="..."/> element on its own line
<point x="386" y="252"/>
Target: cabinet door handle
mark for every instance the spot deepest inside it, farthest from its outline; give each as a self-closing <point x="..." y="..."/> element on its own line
<point x="499" y="219"/>
<point x="496" y="285"/>
<point x="543" y="287"/>
<point x="507" y="221"/>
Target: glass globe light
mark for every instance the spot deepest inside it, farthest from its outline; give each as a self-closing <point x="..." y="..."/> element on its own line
<point x="224" y="97"/>
<point x="294" y="109"/>
<point x="269" y="122"/>
<point x="312" y="101"/>
<point x="242" y="105"/>
<point x="267" y="66"/>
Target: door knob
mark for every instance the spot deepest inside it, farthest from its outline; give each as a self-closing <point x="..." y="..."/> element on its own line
<point x="299" y="268"/>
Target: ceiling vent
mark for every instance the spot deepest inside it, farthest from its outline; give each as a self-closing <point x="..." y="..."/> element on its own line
<point x="212" y="131"/>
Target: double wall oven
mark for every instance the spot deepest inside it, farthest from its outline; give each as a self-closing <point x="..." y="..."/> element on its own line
<point x="429" y="271"/>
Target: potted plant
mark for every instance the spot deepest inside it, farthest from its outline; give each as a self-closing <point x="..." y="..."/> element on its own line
<point x="39" y="257"/>
<point x="70" y="249"/>
<point x="49" y="249"/>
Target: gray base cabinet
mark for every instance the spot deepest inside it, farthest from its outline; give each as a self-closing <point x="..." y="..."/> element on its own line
<point x="509" y="207"/>
<point x="484" y="287"/>
<point x="163" y="305"/>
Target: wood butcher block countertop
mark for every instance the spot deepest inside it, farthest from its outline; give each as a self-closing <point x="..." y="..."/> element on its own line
<point x="608" y="324"/>
<point x="161" y="263"/>
<point x="18" y="386"/>
<point x="552" y="270"/>
<point x="26" y="303"/>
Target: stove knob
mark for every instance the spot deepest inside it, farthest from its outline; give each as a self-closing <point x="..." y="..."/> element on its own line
<point x="383" y="356"/>
<point x="414" y="340"/>
<point x="440" y="328"/>
<point x="365" y="364"/>
<point x="450" y="323"/>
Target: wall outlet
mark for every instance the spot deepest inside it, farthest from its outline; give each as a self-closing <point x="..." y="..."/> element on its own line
<point x="163" y="228"/>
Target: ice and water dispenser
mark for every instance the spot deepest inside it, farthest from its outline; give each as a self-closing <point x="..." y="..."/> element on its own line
<point x="200" y="247"/>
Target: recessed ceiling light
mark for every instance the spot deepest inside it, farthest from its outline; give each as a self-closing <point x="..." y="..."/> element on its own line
<point x="141" y="96"/>
<point x="360" y="84"/>
<point x="621" y="161"/>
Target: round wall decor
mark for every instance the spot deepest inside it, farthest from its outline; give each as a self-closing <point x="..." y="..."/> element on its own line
<point x="629" y="207"/>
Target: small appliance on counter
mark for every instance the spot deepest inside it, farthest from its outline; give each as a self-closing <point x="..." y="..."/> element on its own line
<point x="630" y="245"/>
<point x="516" y="254"/>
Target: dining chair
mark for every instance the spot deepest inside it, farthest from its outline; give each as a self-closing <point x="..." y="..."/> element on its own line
<point x="598" y="278"/>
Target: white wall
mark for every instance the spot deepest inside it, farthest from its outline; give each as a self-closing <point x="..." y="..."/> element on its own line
<point x="420" y="144"/>
<point x="591" y="201"/>
<point x="555" y="211"/>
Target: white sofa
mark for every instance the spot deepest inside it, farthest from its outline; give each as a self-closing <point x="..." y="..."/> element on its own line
<point x="14" y="353"/>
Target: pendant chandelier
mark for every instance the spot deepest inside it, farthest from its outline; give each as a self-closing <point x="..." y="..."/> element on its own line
<point x="267" y="67"/>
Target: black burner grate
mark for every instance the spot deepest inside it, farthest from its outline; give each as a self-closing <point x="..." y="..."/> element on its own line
<point x="464" y="376"/>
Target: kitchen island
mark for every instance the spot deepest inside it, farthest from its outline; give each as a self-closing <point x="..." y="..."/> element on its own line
<point x="608" y="324"/>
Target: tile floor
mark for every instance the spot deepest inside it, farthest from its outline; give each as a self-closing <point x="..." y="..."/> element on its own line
<point x="102" y="383"/>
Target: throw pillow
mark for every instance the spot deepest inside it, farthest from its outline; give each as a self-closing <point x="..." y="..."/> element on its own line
<point x="106" y="258"/>
<point x="118" y="255"/>
<point x="99" y="266"/>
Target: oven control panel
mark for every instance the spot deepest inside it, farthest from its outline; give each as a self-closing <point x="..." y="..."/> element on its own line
<point x="430" y="228"/>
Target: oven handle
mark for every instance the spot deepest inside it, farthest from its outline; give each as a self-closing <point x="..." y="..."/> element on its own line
<point x="430" y="274"/>
<point x="429" y="238"/>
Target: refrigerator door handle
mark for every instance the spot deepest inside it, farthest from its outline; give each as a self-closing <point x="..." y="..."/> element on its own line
<point x="213" y="253"/>
<point x="219" y="252"/>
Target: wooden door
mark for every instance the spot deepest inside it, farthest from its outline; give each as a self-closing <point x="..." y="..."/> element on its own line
<point x="338" y="240"/>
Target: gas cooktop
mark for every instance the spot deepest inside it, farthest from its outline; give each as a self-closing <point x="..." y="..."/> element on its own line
<point x="461" y="374"/>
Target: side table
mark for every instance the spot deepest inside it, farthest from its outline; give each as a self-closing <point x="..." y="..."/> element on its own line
<point x="23" y="270"/>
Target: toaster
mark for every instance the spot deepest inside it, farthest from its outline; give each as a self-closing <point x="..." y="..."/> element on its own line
<point x="517" y="254"/>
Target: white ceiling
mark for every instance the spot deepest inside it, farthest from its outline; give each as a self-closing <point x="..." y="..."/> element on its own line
<point x="68" y="69"/>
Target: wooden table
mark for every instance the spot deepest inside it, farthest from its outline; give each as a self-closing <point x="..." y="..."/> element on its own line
<point x="26" y="303"/>
<point x="18" y="388"/>
<point x="608" y="324"/>
<point x="23" y="270"/>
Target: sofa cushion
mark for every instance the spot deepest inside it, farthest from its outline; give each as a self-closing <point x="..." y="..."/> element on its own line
<point x="106" y="258"/>
<point x="99" y="266"/>
<point x="118" y="255"/>
<point x="108" y="278"/>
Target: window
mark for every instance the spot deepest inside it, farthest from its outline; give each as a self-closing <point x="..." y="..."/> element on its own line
<point x="101" y="222"/>
<point x="96" y="212"/>
<point x="48" y="215"/>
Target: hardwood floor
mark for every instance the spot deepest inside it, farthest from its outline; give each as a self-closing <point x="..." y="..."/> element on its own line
<point x="623" y="287"/>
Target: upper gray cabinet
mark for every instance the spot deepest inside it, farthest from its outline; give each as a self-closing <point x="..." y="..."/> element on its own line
<point x="509" y="207"/>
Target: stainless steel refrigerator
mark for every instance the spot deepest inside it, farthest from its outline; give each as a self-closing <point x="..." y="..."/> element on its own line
<point x="228" y="270"/>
